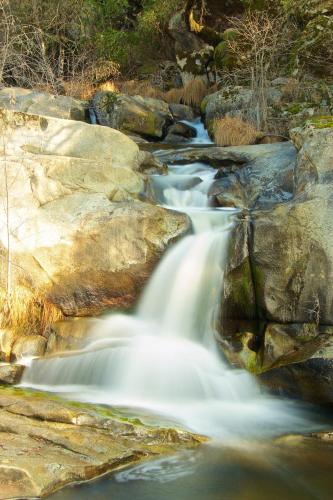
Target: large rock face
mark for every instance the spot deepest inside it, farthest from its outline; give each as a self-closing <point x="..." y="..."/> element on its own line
<point x="292" y="258"/>
<point x="92" y="254"/>
<point x="139" y="115"/>
<point x="292" y="246"/>
<point x="289" y="262"/>
<point x="77" y="230"/>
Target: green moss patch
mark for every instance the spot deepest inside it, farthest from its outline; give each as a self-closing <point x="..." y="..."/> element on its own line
<point x="320" y="122"/>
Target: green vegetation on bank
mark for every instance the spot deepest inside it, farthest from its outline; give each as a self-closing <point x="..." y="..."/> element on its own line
<point x="50" y="42"/>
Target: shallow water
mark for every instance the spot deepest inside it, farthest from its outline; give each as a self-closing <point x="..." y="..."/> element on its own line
<point x="295" y="469"/>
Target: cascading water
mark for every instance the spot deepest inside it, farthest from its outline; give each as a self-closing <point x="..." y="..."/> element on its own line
<point x="164" y="358"/>
<point x="202" y="136"/>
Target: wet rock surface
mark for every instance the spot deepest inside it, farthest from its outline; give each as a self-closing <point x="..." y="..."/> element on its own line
<point x="181" y="112"/>
<point x="29" y="346"/>
<point x="180" y="133"/>
<point x="47" y="443"/>
<point x="248" y="177"/>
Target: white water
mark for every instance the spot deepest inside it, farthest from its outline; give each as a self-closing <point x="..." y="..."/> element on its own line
<point x="202" y="136"/>
<point x="184" y="186"/>
<point x="165" y="358"/>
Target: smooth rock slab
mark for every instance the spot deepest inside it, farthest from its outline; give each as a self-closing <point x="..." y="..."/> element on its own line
<point x="42" y="103"/>
<point x="47" y="443"/>
<point x="27" y="134"/>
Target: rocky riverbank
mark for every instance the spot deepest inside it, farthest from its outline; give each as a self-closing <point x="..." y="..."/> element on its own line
<point x="85" y="231"/>
<point x="47" y="442"/>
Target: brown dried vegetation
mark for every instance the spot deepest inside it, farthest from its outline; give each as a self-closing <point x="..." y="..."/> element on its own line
<point x="231" y="131"/>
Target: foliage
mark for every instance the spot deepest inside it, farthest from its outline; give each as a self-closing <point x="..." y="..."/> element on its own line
<point x="132" y="37"/>
<point x="304" y="10"/>
<point x="49" y="42"/>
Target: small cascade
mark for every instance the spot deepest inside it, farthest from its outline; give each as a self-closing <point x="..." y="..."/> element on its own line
<point x="184" y="293"/>
<point x="185" y="186"/>
<point x="165" y="358"/>
<point x="202" y="136"/>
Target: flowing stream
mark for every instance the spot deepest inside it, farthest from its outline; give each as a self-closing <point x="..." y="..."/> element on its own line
<point x="164" y="358"/>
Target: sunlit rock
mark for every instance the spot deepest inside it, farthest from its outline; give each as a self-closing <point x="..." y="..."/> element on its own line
<point x="76" y="228"/>
<point x="43" y="103"/>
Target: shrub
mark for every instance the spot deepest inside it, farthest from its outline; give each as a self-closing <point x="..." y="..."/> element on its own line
<point x="230" y="131"/>
<point x="48" y="42"/>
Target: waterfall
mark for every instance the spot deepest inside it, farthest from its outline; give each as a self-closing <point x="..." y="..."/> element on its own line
<point x="164" y="357"/>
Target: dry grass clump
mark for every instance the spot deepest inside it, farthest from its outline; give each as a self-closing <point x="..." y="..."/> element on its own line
<point x="78" y="89"/>
<point x="191" y="94"/>
<point x="231" y="131"/>
<point x="86" y="90"/>
<point x="194" y="92"/>
<point x="143" y="88"/>
<point x="174" y="96"/>
<point x="109" y="86"/>
<point x="27" y="314"/>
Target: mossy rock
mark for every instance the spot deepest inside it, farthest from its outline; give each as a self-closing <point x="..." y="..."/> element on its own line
<point x="197" y="62"/>
<point x="148" y="69"/>
<point x="247" y="357"/>
<point x="295" y="108"/>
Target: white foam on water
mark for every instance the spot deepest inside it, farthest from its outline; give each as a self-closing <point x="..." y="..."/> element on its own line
<point x="202" y="136"/>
